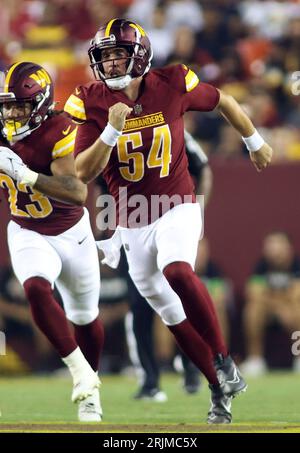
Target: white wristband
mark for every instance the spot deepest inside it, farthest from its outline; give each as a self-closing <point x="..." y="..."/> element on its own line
<point x="110" y="135"/>
<point x="29" y="177"/>
<point x="254" y="142"/>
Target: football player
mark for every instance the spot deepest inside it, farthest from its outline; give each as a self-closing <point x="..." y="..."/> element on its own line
<point x="131" y="130"/>
<point x="140" y="320"/>
<point x="49" y="234"/>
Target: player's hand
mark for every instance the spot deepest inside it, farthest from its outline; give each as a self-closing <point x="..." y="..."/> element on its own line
<point x="5" y="151"/>
<point x="117" y="115"/>
<point x="262" y="157"/>
<point x="11" y="164"/>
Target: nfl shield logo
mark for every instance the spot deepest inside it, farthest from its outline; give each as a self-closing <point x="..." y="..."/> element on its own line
<point x="138" y="109"/>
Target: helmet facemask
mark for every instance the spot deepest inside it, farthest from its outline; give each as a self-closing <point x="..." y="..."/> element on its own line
<point x="115" y="82"/>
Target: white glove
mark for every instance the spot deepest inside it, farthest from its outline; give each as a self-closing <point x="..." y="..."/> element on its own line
<point x="11" y="164"/>
<point x="14" y="167"/>
<point x="111" y="249"/>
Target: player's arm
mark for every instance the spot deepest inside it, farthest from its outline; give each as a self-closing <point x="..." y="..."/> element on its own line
<point x="93" y="160"/>
<point x="260" y="152"/>
<point x="63" y="185"/>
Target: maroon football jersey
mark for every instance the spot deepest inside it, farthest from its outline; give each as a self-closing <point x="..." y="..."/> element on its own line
<point x="29" y="208"/>
<point x="149" y="158"/>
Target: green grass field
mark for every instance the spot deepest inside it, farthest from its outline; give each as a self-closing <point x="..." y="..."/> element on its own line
<point x="271" y="404"/>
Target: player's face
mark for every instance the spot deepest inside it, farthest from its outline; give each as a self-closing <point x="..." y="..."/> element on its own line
<point x="16" y="111"/>
<point x="114" y="61"/>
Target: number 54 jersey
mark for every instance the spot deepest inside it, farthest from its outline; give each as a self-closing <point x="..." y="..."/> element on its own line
<point x="29" y="208"/>
<point x="149" y="158"/>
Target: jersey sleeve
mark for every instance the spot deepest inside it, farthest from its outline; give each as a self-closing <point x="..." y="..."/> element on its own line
<point x="197" y="95"/>
<point x="88" y="130"/>
<point x="66" y="145"/>
<point x="75" y="106"/>
<point x="64" y="137"/>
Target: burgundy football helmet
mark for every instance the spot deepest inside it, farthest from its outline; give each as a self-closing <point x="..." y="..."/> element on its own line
<point x="25" y="83"/>
<point x="126" y="34"/>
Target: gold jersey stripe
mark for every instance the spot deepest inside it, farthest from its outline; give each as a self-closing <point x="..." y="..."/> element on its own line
<point x="64" y="152"/>
<point x="191" y="80"/>
<point x="75" y="107"/>
<point x="65" y="145"/>
<point x="8" y="76"/>
<point x="108" y="28"/>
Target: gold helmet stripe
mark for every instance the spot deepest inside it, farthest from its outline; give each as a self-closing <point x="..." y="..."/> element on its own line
<point x="8" y="76"/>
<point x="139" y="28"/>
<point x="108" y="28"/>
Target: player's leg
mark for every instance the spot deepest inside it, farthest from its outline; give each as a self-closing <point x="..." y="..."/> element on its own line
<point x="177" y="240"/>
<point x="139" y="332"/>
<point x="37" y="265"/>
<point x="152" y="285"/>
<point x="79" y="286"/>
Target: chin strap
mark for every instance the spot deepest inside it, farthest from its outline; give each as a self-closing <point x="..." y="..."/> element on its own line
<point x="119" y="83"/>
<point x="13" y="138"/>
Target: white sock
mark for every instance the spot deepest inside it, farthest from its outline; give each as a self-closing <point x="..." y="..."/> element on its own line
<point x="78" y="365"/>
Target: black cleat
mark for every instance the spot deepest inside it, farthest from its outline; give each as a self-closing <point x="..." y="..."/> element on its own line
<point x="220" y="409"/>
<point x="153" y="394"/>
<point x="230" y="379"/>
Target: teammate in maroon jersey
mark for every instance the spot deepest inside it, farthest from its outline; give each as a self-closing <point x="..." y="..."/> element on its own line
<point x="139" y="114"/>
<point x="49" y="234"/>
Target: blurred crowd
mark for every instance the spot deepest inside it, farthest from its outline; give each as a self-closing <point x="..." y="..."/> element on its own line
<point x="248" y="48"/>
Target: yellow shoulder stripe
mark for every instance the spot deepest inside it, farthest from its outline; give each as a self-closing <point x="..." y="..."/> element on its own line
<point x="191" y="80"/>
<point x="75" y="107"/>
<point x="64" y="146"/>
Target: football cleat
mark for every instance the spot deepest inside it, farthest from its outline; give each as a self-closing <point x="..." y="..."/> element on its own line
<point x="220" y="409"/>
<point x="89" y="409"/>
<point x="153" y="394"/>
<point x="85" y="387"/>
<point x="230" y="379"/>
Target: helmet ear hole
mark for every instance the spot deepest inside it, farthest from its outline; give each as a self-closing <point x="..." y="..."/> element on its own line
<point x="97" y="54"/>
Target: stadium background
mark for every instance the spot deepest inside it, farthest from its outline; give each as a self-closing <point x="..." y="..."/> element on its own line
<point x="248" y="48"/>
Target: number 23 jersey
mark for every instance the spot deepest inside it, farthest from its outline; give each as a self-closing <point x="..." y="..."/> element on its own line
<point x="29" y="208"/>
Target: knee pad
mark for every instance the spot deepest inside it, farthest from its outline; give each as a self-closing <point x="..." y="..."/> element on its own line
<point x="172" y="314"/>
<point x="161" y="298"/>
<point x="148" y="287"/>
<point x="81" y="316"/>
